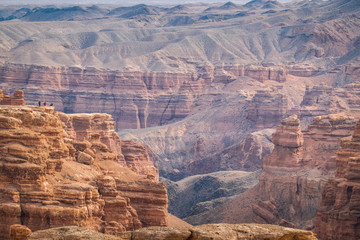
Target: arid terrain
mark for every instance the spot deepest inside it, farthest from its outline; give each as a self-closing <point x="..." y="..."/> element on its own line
<point x="241" y="108"/>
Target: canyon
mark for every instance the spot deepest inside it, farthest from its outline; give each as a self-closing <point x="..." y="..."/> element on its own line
<point x="245" y="104"/>
<point x="292" y="180"/>
<point x="185" y="79"/>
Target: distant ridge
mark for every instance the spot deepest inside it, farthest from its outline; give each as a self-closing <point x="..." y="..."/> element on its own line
<point x="263" y="4"/>
<point x="226" y="6"/>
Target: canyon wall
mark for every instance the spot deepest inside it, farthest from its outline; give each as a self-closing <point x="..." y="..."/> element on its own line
<point x="267" y="108"/>
<point x="213" y="106"/>
<point x="73" y="172"/>
<point x="294" y="174"/>
<point x="134" y="99"/>
<point x="338" y="215"/>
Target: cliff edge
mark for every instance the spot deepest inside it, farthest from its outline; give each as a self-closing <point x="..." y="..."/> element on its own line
<point x="58" y="169"/>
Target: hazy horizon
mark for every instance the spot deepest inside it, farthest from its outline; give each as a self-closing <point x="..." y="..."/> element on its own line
<point x="120" y="2"/>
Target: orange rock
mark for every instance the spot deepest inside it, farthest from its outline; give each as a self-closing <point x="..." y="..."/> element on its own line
<point x="19" y="232"/>
<point x="16" y="99"/>
<point x="137" y="158"/>
<point x="41" y="186"/>
<point x="294" y="174"/>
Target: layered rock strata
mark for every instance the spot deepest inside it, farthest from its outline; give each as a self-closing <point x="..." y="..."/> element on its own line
<point x="338" y="215"/>
<point x="97" y="131"/>
<point x="323" y="99"/>
<point x="203" y="232"/>
<point x="137" y="158"/>
<point x="134" y="99"/>
<point x="267" y="108"/>
<point x="51" y="177"/>
<point x="294" y="174"/>
<point x="16" y="99"/>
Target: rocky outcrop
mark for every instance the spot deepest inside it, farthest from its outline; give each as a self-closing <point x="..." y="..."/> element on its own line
<point x="96" y="129"/>
<point x="267" y="108"/>
<point x="16" y="99"/>
<point x="51" y="177"/>
<point x="338" y="215"/>
<point x="323" y="100"/>
<point x="294" y="174"/>
<point x="19" y="232"/>
<point x="203" y="232"/>
<point x="94" y="132"/>
<point x="137" y="159"/>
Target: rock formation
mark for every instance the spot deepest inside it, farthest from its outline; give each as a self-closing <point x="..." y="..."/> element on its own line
<point x="16" y="99"/>
<point x="203" y="232"/>
<point x="323" y="99"/>
<point x="267" y="108"/>
<point x="19" y="232"/>
<point x="338" y="215"/>
<point x="246" y="155"/>
<point x="294" y="174"/>
<point x="203" y="86"/>
<point x="53" y="176"/>
<point x="97" y="131"/>
<point x="137" y="159"/>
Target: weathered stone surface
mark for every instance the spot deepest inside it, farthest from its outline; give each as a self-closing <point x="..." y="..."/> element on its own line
<point x="42" y="186"/>
<point x="19" y="232"/>
<point x="267" y="108"/>
<point x="161" y="233"/>
<point x="85" y="158"/>
<point x="149" y="199"/>
<point x="248" y="231"/>
<point x="288" y="134"/>
<point x="73" y="232"/>
<point x="16" y="99"/>
<point x="338" y="215"/>
<point x="246" y="155"/>
<point x="137" y="159"/>
<point x="96" y="129"/>
<point x="203" y="232"/>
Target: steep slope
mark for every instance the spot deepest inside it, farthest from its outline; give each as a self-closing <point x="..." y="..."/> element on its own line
<point x="293" y="175"/>
<point x="200" y="193"/>
<point x="338" y="215"/>
<point x="77" y="175"/>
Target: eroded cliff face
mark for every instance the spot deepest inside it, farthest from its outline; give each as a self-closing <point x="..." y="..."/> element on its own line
<point x="16" y="99"/>
<point x="134" y="99"/>
<point x="99" y="130"/>
<point x="51" y="177"/>
<point x="267" y="108"/>
<point x="294" y="174"/>
<point x="338" y="215"/>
